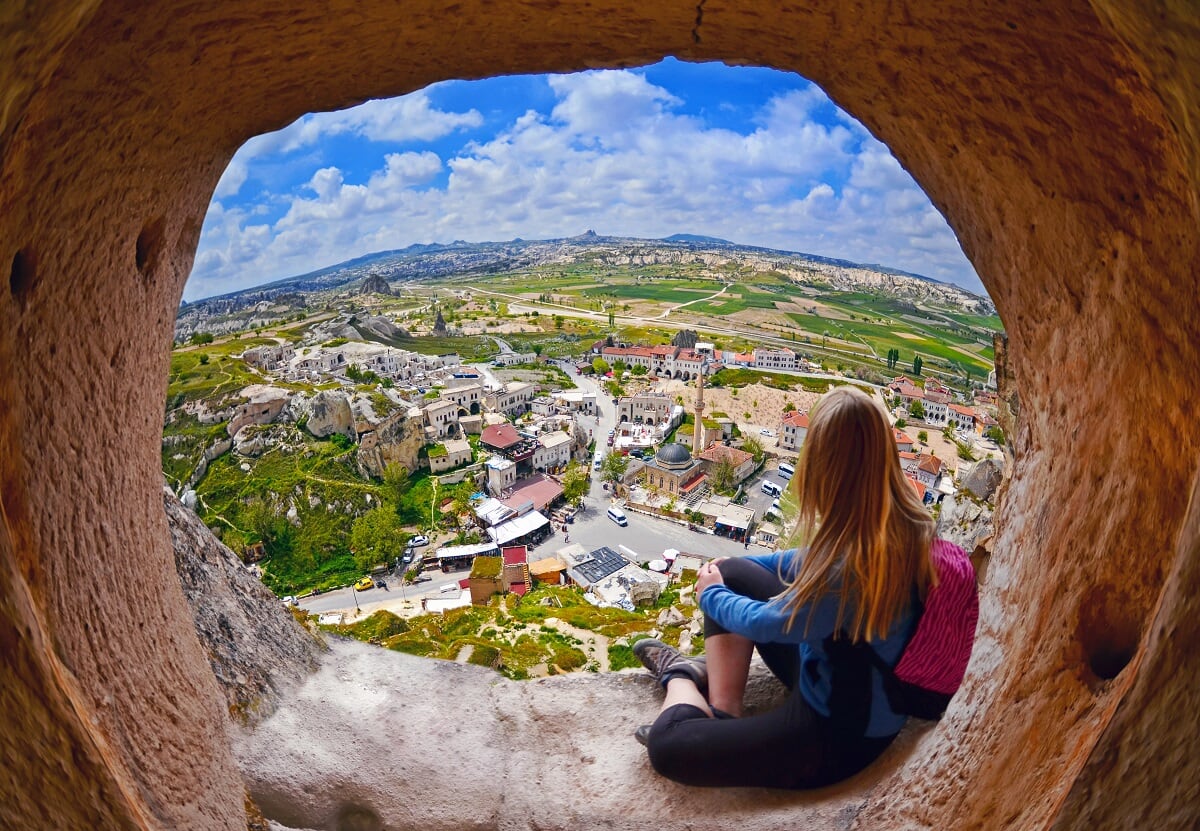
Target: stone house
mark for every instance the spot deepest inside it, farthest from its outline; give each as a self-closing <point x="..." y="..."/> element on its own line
<point x="553" y="451"/>
<point x="449" y="455"/>
<point x="441" y="418"/>
<point x="513" y="399"/>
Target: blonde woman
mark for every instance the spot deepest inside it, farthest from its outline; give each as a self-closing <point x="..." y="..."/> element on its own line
<point x="859" y="577"/>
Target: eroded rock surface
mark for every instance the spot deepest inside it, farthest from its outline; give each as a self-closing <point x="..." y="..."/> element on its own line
<point x="255" y="645"/>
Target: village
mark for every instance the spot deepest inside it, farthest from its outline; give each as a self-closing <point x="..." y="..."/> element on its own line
<point x="699" y="481"/>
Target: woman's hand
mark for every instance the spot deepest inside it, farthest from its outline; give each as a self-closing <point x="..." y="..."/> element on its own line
<point x="709" y="575"/>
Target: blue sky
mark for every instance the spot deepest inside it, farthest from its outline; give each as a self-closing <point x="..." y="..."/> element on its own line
<point x="754" y="156"/>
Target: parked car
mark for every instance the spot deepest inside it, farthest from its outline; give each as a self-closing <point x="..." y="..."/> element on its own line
<point x="290" y="600"/>
<point x="408" y="557"/>
<point x="364" y="583"/>
<point x="766" y="431"/>
<point x="381" y="584"/>
<point x="418" y="541"/>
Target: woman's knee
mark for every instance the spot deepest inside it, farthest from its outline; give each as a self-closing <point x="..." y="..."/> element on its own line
<point x="749" y="579"/>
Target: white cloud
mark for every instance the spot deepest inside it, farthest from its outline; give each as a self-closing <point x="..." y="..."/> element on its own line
<point x="613" y="154"/>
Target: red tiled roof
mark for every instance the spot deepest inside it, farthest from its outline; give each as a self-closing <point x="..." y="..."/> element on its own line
<point x="663" y="350"/>
<point x="918" y="487"/>
<point x="958" y="408"/>
<point x="904" y="454"/>
<point x="901" y="437"/>
<point x="500" y="436"/>
<point x="930" y="464"/>
<point x="744" y="357"/>
<point x="796" y="419"/>
<point x="715" y="452"/>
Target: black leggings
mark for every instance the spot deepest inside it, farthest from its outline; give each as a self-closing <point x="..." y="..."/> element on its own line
<point x="791" y="746"/>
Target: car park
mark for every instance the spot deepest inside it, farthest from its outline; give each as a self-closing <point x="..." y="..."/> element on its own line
<point x="364" y="583"/>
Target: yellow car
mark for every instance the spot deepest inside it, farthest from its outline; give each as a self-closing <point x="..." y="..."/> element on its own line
<point x="363" y="584"/>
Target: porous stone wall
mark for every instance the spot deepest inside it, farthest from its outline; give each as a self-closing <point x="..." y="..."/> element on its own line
<point x="1059" y="139"/>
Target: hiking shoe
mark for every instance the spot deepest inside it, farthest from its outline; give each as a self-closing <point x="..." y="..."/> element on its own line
<point x="665" y="661"/>
<point x="642" y="734"/>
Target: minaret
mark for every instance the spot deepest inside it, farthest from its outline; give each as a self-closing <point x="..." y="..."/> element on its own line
<point x="698" y="435"/>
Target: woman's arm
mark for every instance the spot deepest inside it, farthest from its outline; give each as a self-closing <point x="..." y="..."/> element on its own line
<point x="761" y="621"/>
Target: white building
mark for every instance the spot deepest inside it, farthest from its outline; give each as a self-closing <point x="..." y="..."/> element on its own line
<point x="553" y="452"/>
<point x="515" y="399"/>
<point x="792" y="430"/>
<point x="765" y="358"/>
<point x="441" y="418"/>
<point x="468" y="397"/>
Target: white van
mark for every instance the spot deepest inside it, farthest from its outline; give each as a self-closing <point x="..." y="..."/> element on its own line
<point x="617" y="516"/>
<point x="786" y="470"/>
<point x="599" y="460"/>
<point x="771" y="488"/>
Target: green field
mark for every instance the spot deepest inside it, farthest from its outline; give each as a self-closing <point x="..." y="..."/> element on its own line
<point x="882" y="337"/>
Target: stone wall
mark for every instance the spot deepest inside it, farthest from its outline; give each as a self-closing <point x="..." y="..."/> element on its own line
<point x="1060" y="141"/>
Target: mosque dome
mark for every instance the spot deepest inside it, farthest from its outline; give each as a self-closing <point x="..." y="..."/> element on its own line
<point x="673" y="456"/>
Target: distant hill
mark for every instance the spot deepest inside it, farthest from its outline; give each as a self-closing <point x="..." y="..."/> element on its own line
<point x="437" y="260"/>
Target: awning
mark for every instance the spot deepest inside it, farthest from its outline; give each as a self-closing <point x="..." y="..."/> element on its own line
<point x="517" y="527"/>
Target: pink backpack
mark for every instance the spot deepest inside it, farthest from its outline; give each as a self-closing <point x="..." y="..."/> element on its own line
<point x="934" y="660"/>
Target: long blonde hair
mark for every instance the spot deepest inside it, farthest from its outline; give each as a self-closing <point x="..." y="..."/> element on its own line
<point x="867" y="533"/>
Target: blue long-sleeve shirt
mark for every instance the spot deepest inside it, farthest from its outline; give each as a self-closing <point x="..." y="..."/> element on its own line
<point x="766" y="622"/>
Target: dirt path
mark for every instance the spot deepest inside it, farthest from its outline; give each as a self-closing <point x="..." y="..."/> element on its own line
<point x="667" y="313"/>
<point x="594" y="646"/>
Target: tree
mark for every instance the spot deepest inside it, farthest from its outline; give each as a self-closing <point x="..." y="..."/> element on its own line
<point x="537" y="349"/>
<point x="722" y="475"/>
<point x="916" y="409"/>
<point x="395" y="481"/>
<point x="599" y="365"/>
<point x="460" y="496"/>
<point x="618" y="367"/>
<point x="923" y="436"/>
<point x="754" y="447"/>
<point x="917" y="365"/>
<point x="995" y="434"/>
<point x="613" y="467"/>
<point x="377" y="537"/>
<point x="789" y="407"/>
<point x="639" y="370"/>
<point x="901" y="424"/>
<point x="575" y="483"/>
<point x="558" y="321"/>
<point x="612" y="319"/>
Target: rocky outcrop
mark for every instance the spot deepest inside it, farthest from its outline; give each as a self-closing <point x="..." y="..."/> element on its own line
<point x="375" y="284"/>
<point x="397" y="439"/>
<point x="217" y="448"/>
<point x="263" y="406"/>
<point x="326" y="413"/>
<point x="983" y="479"/>
<point x="384" y="328"/>
<point x="255" y="646"/>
